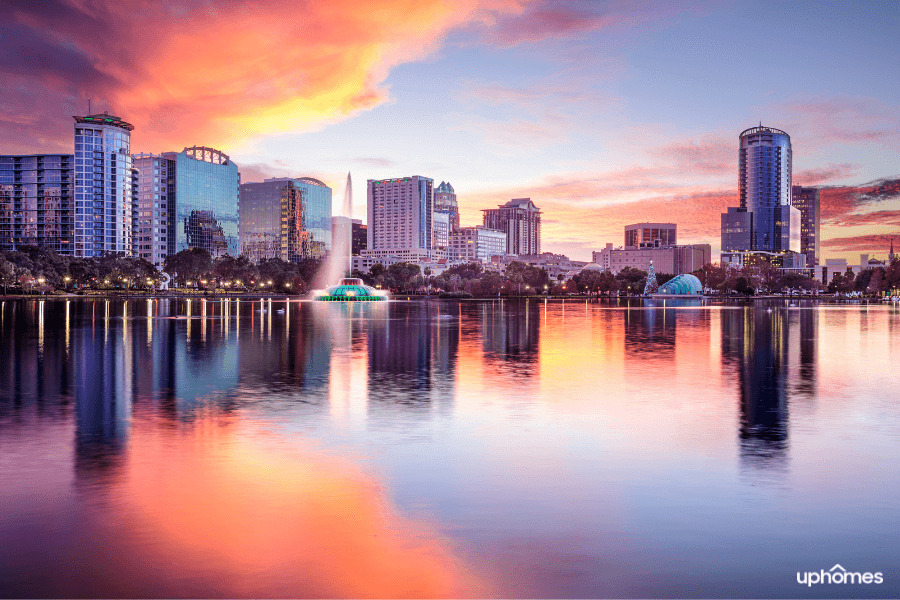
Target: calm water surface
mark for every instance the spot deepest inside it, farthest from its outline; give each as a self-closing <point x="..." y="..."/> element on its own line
<point x="168" y="448"/>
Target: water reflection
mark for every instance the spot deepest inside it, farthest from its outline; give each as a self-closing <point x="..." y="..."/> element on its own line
<point x="202" y="447"/>
<point x="764" y="347"/>
<point x="510" y="333"/>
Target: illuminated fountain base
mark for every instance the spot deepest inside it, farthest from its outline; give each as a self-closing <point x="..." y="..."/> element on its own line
<point x="350" y="290"/>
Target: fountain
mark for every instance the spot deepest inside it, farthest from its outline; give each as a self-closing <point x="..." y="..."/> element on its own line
<point x="337" y="265"/>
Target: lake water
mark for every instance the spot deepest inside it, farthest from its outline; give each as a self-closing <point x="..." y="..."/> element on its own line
<point x="168" y="448"/>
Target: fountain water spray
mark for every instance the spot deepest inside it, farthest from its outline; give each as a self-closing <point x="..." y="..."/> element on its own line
<point x="337" y="267"/>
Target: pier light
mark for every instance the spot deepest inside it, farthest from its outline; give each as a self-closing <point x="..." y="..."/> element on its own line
<point x="187" y="283"/>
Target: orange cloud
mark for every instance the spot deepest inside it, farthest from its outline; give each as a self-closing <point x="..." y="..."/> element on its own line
<point x="222" y="72"/>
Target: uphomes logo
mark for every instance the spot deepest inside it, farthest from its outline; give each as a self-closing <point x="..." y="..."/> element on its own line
<point x="837" y="575"/>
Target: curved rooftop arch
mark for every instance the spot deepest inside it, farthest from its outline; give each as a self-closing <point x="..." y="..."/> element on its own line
<point x="312" y="180"/>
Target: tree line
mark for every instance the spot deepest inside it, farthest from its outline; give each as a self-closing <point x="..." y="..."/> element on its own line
<point x="35" y="269"/>
<point x="32" y="269"/>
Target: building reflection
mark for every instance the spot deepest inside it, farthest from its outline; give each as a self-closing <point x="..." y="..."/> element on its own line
<point x="510" y="332"/>
<point x="650" y="330"/>
<point x="285" y="349"/>
<point x="35" y="373"/>
<point x="412" y="354"/>
<point x="102" y="382"/>
<point x="757" y="345"/>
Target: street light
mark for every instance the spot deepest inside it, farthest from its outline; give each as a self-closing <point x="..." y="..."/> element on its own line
<point x="41" y="281"/>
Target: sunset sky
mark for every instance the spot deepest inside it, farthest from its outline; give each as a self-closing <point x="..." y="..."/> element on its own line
<point x="604" y="113"/>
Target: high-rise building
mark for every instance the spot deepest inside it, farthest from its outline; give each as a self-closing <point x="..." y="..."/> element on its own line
<point x="103" y="186"/>
<point x="764" y="178"/>
<point x="207" y="214"/>
<point x="471" y="244"/>
<point x="401" y="214"/>
<point x="807" y="201"/>
<point x="650" y="235"/>
<point x="154" y="226"/>
<point x="520" y="220"/>
<point x="445" y="202"/>
<point x="272" y="223"/>
<point x="37" y="202"/>
<point x="316" y="214"/>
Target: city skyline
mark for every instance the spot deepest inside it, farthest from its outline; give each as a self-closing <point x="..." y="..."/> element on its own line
<point x="575" y="105"/>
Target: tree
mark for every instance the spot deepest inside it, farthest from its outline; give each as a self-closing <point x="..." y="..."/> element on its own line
<point x="742" y="286"/>
<point x="189" y="264"/>
<point x="7" y="273"/>
<point x="876" y="282"/>
<point x="401" y="275"/>
<point x="589" y="281"/>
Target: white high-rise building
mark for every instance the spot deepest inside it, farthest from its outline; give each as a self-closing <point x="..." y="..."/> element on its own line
<point x="401" y="215"/>
<point x="103" y="185"/>
<point x="154" y="228"/>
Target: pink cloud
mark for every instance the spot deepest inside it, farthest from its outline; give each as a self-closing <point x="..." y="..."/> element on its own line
<point x="821" y="175"/>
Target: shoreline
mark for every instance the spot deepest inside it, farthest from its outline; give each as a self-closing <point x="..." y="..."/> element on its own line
<point x="416" y="297"/>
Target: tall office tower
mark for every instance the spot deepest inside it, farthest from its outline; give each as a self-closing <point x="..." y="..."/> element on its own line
<point x="316" y="215"/>
<point x="806" y="200"/>
<point x="272" y="221"/>
<point x="36" y="201"/>
<point x="764" y="177"/>
<point x="206" y="213"/>
<point x="401" y="213"/>
<point x="154" y="227"/>
<point x="445" y="202"/>
<point x="103" y="202"/>
<point x="650" y="235"/>
<point x="520" y="220"/>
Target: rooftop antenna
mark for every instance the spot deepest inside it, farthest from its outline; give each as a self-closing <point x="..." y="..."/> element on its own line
<point x="89" y="106"/>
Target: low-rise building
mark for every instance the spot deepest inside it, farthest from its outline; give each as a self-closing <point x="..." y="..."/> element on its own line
<point x="668" y="259"/>
<point x="476" y="244"/>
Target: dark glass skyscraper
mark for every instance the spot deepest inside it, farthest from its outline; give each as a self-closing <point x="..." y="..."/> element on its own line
<point x="764" y="178"/>
<point x="36" y="201"/>
<point x="806" y="200"/>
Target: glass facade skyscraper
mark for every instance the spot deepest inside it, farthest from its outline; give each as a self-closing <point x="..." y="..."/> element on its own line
<point x="36" y="202"/>
<point x="103" y="185"/>
<point x="764" y="179"/>
<point x="282" y="218"/>
<point x="316" y="215"/>
<point x="206" y="190"/>
<point x="807" y="201"/>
